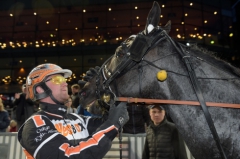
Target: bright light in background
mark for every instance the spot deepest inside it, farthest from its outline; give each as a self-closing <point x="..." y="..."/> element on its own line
<point x="22" y="70"/>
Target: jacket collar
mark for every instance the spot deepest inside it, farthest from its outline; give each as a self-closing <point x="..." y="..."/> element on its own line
<point x="53" y="108"/>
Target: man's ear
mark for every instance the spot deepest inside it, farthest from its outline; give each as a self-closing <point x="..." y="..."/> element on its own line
<point x="39" y="89"/>
<point x="164" y="112"/>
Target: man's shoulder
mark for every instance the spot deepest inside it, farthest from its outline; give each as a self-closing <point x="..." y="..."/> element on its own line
<point x="170" y="125"/>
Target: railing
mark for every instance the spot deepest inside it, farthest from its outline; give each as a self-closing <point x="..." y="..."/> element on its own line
<point x="132" y="147"/>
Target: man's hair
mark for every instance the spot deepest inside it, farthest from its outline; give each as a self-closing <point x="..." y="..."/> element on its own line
<point x="76" y="86"/>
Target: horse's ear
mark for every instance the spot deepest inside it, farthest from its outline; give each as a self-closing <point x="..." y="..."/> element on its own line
<point x="167" y="27"/>
<point x="153" y="18"/>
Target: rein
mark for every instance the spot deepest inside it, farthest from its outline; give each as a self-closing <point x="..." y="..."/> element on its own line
<point x="174" y="102"/>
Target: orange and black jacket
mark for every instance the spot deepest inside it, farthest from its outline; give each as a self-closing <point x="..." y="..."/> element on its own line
<point x="53" y="134"/>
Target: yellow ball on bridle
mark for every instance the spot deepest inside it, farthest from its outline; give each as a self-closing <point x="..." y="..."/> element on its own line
<point x="162" y="75"/>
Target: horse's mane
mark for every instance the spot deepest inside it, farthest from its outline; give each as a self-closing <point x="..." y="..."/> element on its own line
<point x="211" y="58"/>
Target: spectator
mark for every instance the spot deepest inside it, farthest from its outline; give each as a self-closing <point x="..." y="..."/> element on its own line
<point x="162" y="138"/>
<point x="13" y="126"/>
<point x="24" y="107"/>
<point x="138" y="118"/>
<point x="70" y="108"/>
<point x="52" y="133"/>
<point x="4" y="118"/>
<point x="75" y="98"/>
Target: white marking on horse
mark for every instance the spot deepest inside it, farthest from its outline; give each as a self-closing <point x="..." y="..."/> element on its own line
<point x="150" y="28"/>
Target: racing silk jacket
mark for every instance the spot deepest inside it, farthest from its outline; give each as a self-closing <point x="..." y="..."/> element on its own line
<point x="53" y="134"/>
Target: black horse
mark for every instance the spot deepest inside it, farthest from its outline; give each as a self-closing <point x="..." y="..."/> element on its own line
<point x="192" y="75"/>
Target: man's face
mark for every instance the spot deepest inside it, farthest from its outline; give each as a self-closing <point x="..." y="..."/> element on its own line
<point x="157" y="115"/>
<point x="58" y="85"/>
<point x="74" y="90"/>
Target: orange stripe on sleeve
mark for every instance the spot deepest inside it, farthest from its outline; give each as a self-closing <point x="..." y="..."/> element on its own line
<point x="28" y="156"/>
<point x="85" y="144"/>
<point x="38" y="120"/>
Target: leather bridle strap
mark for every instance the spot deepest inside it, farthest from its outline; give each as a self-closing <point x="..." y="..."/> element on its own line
<point x="199" y="95"/>
<point x="175" y="102"/>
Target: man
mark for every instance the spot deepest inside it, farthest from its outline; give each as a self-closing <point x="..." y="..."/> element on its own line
<point x="4" y="118"/>
<point x="75" y="88"/>
<point x="162" y="138"/>
<point x="52" y="133"/>
<point x="24" y="107"/>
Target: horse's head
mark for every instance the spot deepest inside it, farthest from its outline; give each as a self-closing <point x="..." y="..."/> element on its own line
<point x="94" y="93"/>
<point x="100" y="82"/>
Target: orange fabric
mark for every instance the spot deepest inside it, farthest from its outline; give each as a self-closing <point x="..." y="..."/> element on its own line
<point x="38" y="120"/>
<point x="69" y="150"/>
<point x="28" y="156"/>
<point x="66" y="130"/>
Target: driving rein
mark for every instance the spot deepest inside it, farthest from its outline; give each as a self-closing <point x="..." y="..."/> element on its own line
<point x="138" y="49"/>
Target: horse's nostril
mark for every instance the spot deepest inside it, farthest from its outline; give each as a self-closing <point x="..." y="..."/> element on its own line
<point x="83" y="94"/>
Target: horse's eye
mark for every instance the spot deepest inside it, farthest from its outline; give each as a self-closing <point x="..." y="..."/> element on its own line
<point x="83" y="94"/>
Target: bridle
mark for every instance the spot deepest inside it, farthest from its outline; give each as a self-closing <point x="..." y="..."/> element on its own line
<point x="138" y="49"/>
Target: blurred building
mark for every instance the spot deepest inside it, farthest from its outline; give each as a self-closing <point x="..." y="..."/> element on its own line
<point x="79" y="34"/>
